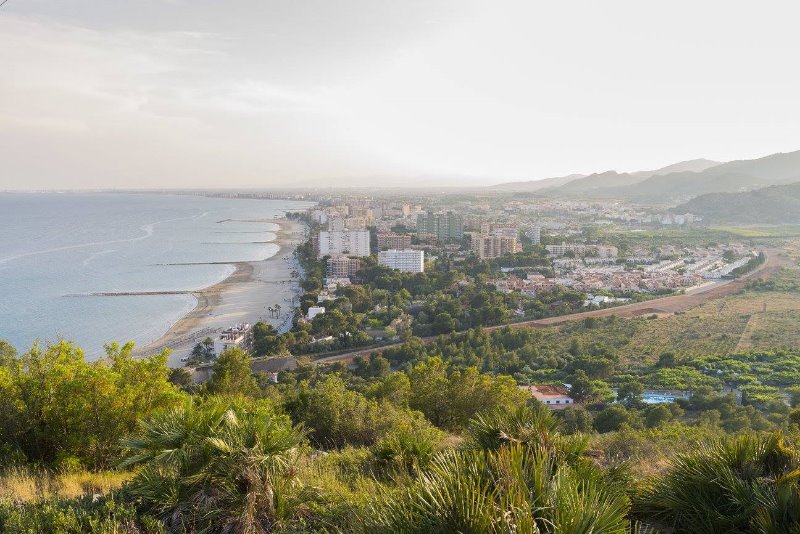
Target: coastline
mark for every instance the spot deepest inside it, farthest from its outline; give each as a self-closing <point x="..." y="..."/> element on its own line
<point x="243" y="296"/>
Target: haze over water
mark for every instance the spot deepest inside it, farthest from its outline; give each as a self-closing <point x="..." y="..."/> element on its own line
<point x="56" y="249"/>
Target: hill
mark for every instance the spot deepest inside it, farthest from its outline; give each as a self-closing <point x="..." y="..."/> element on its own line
<point x="692" y="165"/>
<point x="778" y="204"/>
<point x="579" y="184"/>
<point x="537" y="185"/>
<point x="731" y="177"/>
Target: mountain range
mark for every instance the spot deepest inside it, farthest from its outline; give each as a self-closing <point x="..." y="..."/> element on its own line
<point x="675" y="183"/>
<point x="777" y="204"/>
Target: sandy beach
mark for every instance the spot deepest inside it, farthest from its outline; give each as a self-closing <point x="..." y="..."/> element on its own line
<point x="242" y="297"/>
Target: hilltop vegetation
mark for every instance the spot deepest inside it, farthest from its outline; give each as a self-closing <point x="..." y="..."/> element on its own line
<point x="412" y="440"/>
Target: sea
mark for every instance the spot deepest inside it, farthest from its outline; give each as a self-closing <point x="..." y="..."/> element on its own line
<point x="57" y="249"/>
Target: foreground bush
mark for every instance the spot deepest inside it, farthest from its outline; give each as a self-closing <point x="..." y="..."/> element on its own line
<point x="75" y="517"/>
<point x="746" y="484"/>
<point x="514" y="473"/>
<point x="513" y="489"/>
<point x="222" y="466"/>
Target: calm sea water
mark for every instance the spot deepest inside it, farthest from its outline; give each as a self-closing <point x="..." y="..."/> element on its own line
<point x="56" y="246"/>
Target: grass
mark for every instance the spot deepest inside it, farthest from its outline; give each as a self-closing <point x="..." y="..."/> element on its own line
<point x="760" y="231"/>
<point x="23" y="485"/>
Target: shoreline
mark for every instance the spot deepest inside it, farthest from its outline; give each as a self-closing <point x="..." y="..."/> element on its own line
<point x="243" y="296"/>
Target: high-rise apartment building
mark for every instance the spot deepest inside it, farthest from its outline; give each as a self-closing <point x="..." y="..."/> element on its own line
<point x="343" y="243"/>
<point x="440" y="226"/>
<point x="493" y="246"/>
<point x="388" y="240"/>
<point x="342" y="267"/>
<point x="535" y="234"/>
<point x="408" y="261"/>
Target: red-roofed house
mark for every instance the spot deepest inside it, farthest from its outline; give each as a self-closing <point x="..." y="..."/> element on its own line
<point x="554" y="397"/>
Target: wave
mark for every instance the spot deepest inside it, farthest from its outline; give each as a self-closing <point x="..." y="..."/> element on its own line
<point x="148" y="230"/>
<point x="92" y="257"/>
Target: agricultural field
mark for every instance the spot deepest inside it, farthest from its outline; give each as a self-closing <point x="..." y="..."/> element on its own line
<point x="759" y="231"/>
<point x="763" y="317"/>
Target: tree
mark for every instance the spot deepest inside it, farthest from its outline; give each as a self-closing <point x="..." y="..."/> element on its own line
<point x="667" y="360"/>
<point x="612" y="418"/>
<point x="59" y="409"/>
<point x="451" y="400"/>
<point x="202" y="352"/>
<point x="443" y="323"/>
<point x="576" y="419"/>
<point x="337" y="416"/>
<point x="181" y="378"/>
<point x="266" y="340"/>
<point x="584" y="389"/>
<point x="630" y="392"/>
<point x="232" y="374"/>
<point x="657" y="415"/>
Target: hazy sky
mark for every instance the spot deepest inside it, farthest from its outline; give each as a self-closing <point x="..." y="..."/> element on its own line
<point x="174" y="93"/>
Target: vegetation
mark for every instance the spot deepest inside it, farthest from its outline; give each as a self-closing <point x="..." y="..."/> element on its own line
<point x="430" y="435"/>
<point x="417" y="440"/>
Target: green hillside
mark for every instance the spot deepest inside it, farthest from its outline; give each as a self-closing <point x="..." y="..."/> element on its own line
<point x="771" y="205"/>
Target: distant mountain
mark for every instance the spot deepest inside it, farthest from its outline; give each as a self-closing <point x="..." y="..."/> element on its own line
<point x="778" y="204"/>
<point x="598" y="183"/>
<point x="693" y="165"/>
<point x="578" y="184"/>
<point x="537" y="185"/>
<point x="676" y="183"/>
<point x="731" y="177"/>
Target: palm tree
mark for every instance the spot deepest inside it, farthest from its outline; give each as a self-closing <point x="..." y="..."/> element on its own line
<point x="221" y="466"/>
<point x="278" y="310"/>
<point x="515" y="473"/>
<point x="744" y="484"/>
<point x="513" y="489"/>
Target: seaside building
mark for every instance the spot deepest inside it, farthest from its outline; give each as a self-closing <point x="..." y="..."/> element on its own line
<point x="343" y="243"/>
<point x="554" y="397"/>
<point x="408" y="261"/>
<point x="240" y="335"/>
<point x="390" y="240"/>
<point x="440" y="226"/>
<point x="342" y="267"/>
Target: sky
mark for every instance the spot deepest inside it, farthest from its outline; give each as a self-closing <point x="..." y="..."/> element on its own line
<point x="264" y="93"/>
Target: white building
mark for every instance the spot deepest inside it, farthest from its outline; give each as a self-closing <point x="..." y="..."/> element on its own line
<point x="554" y="397"/>
<point x="407" y="260"/>
<point x="240" y="335"/>
<point x="344" y="243"/>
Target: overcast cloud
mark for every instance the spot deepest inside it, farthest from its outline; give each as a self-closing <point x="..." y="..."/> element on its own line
<point x="174" y="93"/>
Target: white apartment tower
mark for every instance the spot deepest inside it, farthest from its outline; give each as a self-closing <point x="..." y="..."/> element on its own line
<point x="343" y="243"/>
<point x="408" y="261"/>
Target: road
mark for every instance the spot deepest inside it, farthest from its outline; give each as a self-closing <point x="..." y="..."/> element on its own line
<point x="664" y="306"/>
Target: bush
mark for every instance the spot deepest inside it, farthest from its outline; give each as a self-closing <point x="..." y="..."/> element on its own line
<point x="746" y="484"/>
<point x="105" y="515"/>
